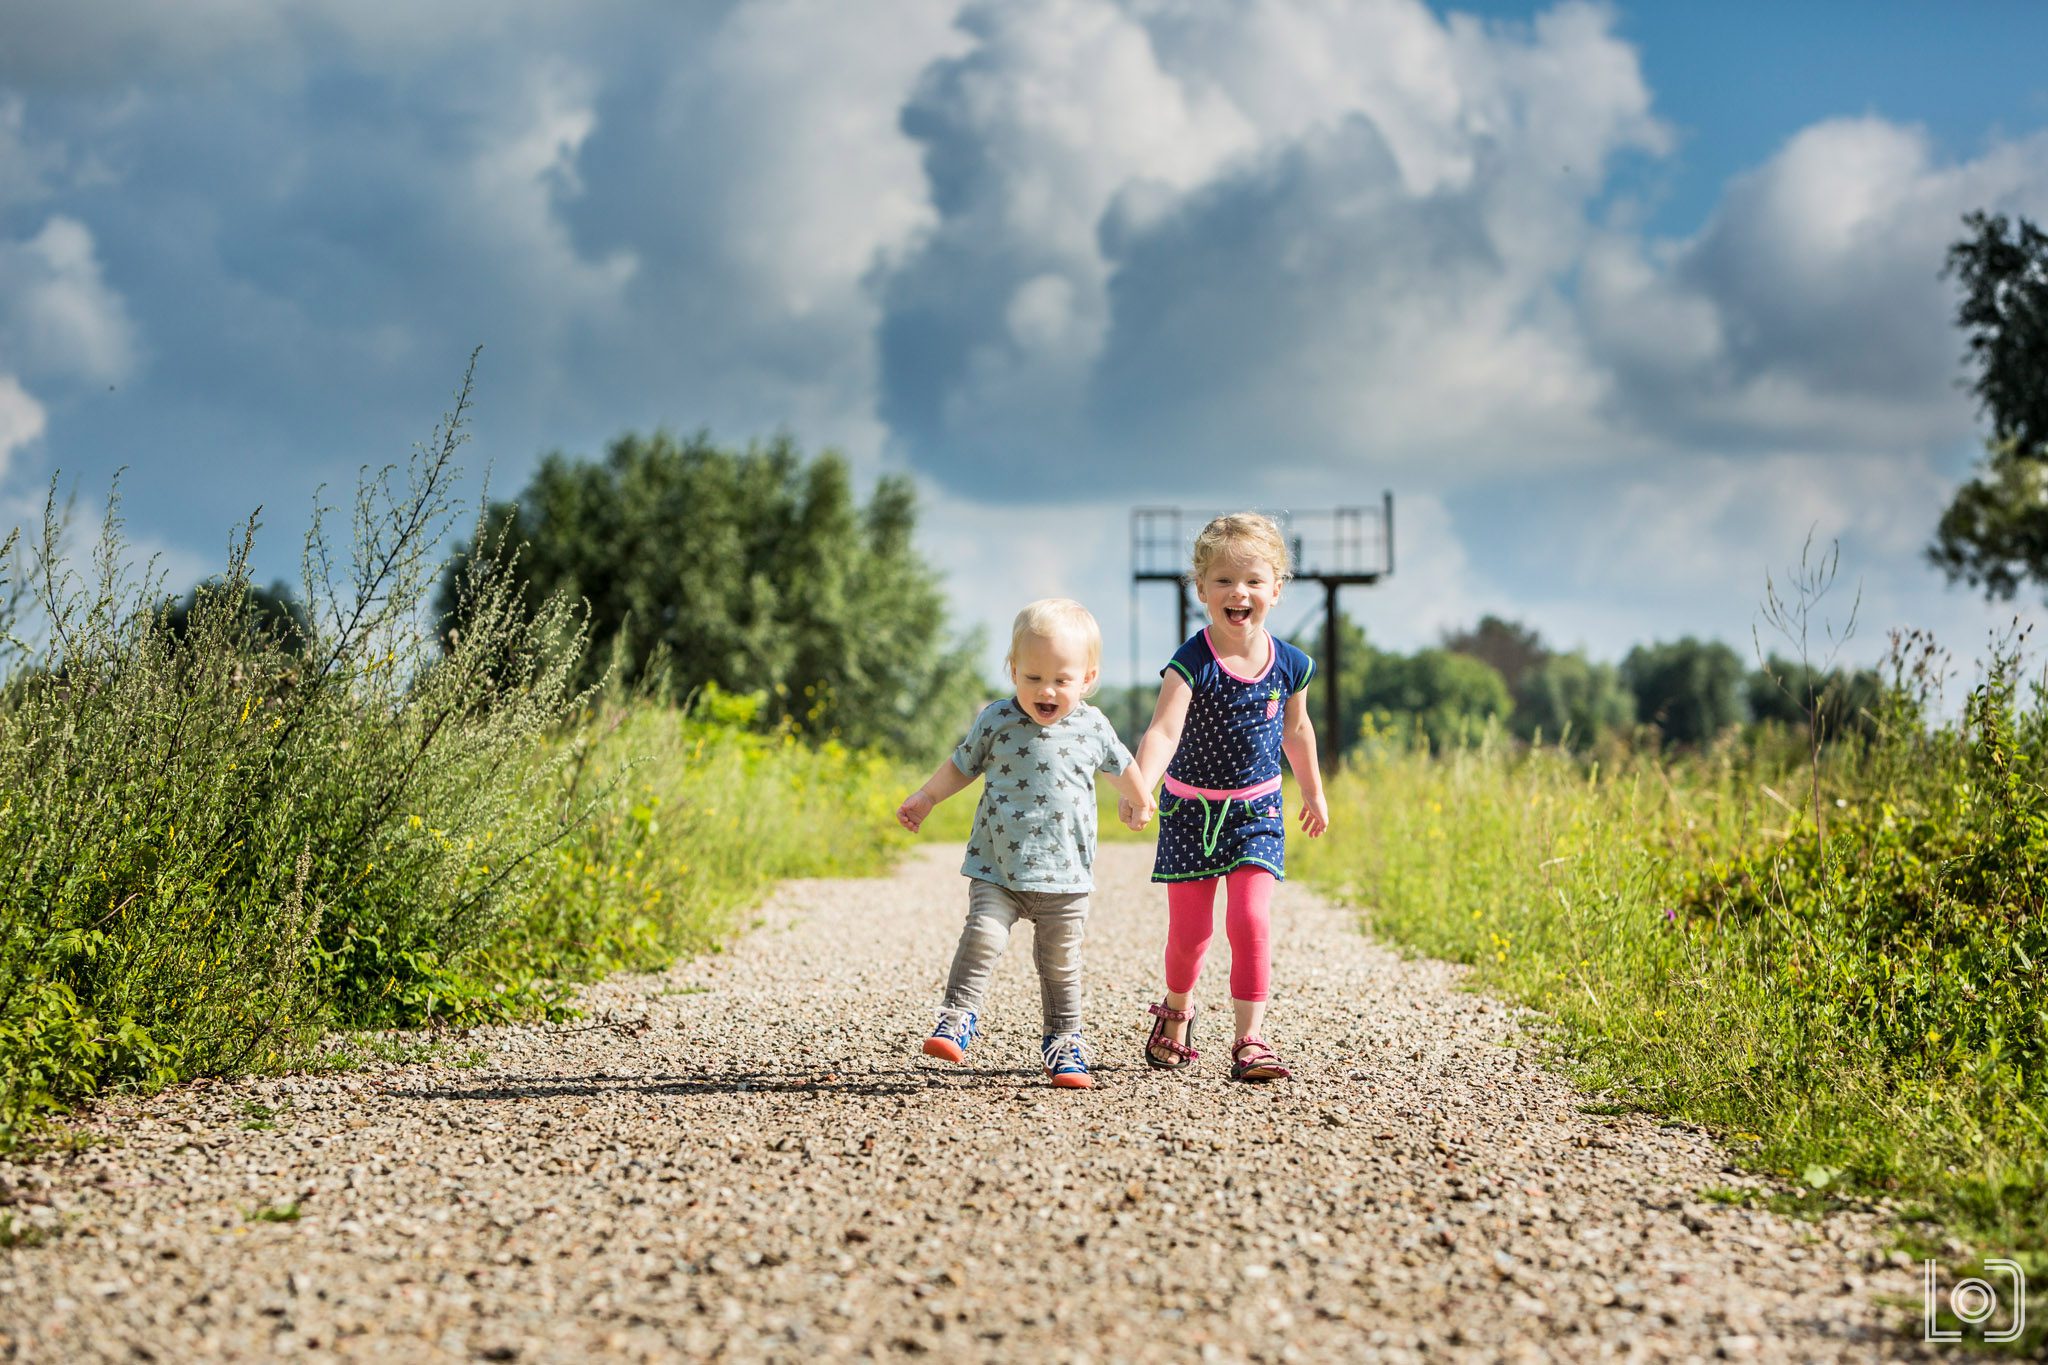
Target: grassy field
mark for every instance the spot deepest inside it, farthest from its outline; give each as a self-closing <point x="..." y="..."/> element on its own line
<point x="1862" y="1013"/>
<point x="228" y="828"/>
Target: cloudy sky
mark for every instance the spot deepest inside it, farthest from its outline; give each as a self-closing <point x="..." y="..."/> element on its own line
<point x="1620" y="301"/>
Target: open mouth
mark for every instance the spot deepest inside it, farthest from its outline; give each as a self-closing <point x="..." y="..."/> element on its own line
<point x="1237" y="616"/>
<point x="1046" y="709"/>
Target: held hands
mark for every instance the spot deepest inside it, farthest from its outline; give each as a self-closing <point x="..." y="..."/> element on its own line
<point x="1315" y="815"/>
<point x="1134" y="815"/>
<point x="911" y="814"/>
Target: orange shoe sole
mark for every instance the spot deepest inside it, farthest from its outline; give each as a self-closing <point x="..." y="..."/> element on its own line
<point x="1071" y="1082"/>
<point x="945" y="1051"/>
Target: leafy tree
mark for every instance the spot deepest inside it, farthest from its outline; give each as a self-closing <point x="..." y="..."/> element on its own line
<point x="1691" y="690"/>
<point x="1995" y="532"/>
<point x="1569" y="699"/>
<point x="1788" y="693"/>
<point x="1515" y="650"/>
<point x="273" y="613"/>
<point x="756" y="570"/>
<point x="1447" y="698"/>
<point x="1358" y="658"/>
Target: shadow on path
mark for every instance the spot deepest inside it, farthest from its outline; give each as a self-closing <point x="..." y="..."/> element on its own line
<point x="902" y="1081"/>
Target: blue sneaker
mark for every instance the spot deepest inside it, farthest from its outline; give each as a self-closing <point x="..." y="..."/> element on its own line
<point x="950" y="1039"/>
<point x="1064" y="1065"/>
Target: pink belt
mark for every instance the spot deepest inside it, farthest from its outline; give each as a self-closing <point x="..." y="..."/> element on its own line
<point x="1257" y="789"/>
<point x="1214" y="819"/>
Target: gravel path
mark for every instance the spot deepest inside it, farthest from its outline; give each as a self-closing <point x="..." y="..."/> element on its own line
<point x="758" y="1165"/>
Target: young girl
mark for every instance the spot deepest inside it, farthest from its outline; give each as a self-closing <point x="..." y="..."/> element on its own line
<point x="1232" y="702"/>
<point x="1032" y="852"/>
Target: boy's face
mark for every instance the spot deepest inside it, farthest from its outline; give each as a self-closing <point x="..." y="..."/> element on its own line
<point x="1050" y="674"/>
<point x="1238" y="591"/>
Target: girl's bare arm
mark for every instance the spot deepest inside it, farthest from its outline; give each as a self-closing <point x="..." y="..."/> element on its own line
<point x="1298" y="742"/>
<point x="1162" y="736"/>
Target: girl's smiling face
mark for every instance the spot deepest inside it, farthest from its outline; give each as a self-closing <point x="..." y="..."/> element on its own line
<point x="1237" y="591"/>
<point x="1052" y="674"/>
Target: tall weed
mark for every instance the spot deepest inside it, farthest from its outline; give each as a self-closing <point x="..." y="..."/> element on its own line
<point x="215" y="838"/>
<point x="1862" y="1014"/>
<point x="684" y="817"/>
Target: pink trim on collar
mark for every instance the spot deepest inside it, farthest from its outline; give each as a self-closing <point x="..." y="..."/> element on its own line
<point x="1272" y="656"/>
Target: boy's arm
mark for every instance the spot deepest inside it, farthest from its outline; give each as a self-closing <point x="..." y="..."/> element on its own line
<point x="947" y="781"/>
<point x="1136" y="796"/>
<point x="1298" y="742"/>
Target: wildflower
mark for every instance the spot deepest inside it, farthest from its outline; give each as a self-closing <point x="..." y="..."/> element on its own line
<point x="1670" y="915"/>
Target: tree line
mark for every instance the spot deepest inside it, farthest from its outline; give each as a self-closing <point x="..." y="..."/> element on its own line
<point x="1684" y="692"/>
<point x="759" y="571"/>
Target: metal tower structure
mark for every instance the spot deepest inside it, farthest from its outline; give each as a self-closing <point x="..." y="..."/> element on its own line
<point x="1337" y="548"/>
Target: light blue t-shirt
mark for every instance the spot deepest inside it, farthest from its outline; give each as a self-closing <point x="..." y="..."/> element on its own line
<point x="1035" y="827"/>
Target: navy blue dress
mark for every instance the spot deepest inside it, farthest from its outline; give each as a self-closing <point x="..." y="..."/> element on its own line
<point x="1230" y="742"/>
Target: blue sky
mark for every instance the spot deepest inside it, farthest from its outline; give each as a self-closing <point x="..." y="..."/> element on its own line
<point x="1620" y="301"/>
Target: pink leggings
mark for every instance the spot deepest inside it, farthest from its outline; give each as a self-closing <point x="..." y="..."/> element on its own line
<point x="1191" y="907"/>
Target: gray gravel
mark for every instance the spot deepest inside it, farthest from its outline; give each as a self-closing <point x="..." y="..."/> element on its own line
<point x="756" y="1163"/>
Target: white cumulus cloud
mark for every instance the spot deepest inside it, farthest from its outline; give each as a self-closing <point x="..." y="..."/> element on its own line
<point x="1810" y="310"/>
<point x="58" y="315"/>
<point x="1330" y="230"/>
<point x="22" y="420"/>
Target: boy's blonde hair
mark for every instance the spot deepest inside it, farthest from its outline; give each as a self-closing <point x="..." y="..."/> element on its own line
<point x="1246" y="535"/>
<point x="1058" y="618"/>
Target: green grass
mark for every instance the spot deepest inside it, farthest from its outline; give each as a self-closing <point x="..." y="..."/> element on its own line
<point x="1861" y="1017"/>
<point x="225" y="835"/>
<point x="684" y="821"/>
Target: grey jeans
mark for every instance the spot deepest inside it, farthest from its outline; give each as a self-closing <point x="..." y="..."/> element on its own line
<point x="1058" y="920"/>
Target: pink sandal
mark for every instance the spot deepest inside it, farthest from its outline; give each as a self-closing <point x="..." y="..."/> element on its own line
<point x="1181" y="1053"/>
<point x="1253" y="1059"/>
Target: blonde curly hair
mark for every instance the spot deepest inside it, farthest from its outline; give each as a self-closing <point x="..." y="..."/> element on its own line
<point x="1057" y="618"/>
<point x="1243" y="535"/>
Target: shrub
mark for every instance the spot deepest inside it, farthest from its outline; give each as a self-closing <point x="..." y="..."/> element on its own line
<point x="215" y="836"/>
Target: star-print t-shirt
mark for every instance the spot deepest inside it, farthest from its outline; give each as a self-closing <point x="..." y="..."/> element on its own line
<point x="1232" y="735"/>
<point x="1035" y="827"/>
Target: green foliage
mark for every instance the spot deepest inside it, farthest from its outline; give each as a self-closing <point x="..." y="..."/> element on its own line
<point x="1869" y="1010"/>
<point x="1435" y="696"/>
<point x="1445" y="696"/>
<point x="1567" y="699"/>
<point x="1792" y="694"/>
<point x="755" y="571"/>
<point x="688" y="817"/>
<point x="274" y="614"/>
<point x="1689" y="689"/>
<point x="1937" y="885"/>
<point x="1994" y="534"/>
<point x="1355" y="659"/>
<point x="221" y="834"/>
<point x="1514" y="650"/>
<point x="214" y="839"/>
